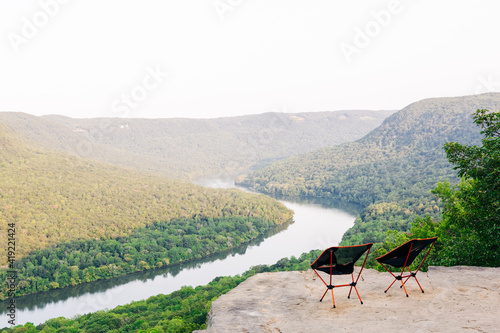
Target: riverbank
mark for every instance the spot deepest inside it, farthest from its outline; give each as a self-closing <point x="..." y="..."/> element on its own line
<point x="315" y="227"/>
<point x="455" y="299"/>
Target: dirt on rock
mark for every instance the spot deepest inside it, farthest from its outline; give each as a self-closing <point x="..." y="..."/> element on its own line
<point x="456" y="299"/>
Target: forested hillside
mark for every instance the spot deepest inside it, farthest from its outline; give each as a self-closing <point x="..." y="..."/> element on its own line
<point x="184" y="310"/>
<point x="51" y="198"/>
<point x="390" y="171"/>
<point x="154" y="246"/>
<point x="188" y="148"/>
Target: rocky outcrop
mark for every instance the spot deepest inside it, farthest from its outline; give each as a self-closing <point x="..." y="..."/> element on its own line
<point x="455" y="299"/>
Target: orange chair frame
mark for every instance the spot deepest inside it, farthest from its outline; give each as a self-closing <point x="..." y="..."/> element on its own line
<point x="407" y="263"/>
<point x="330" y="286"/>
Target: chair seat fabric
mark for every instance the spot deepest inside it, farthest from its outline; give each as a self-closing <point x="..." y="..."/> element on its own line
<point x="403" y="256"/>
<point x="340" y="260"/>
<point x="406" y="253"/>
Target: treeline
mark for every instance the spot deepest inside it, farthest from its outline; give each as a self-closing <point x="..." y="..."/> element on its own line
<point x="374" y="221"/>
<point x="155" y="246"/>
<point x="182" y="311"/>
<point x="391" y="171"/>
<point x="469" y="230"/>
<point x="393" y="192"/>
<point x="190" y="148"/>
<point x="53" y="198"/>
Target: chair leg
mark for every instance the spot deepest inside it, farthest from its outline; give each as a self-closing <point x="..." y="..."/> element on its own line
<point x="352" y="285"/>
<point x="403" y="285"/>
<point x="390" y="286"/>
<point x="321" y="300"/>
<point x="414" y="274"/>
<point x="418" y="283"/>
<point x="359" y="297"/>
<point x="333" y="299"/>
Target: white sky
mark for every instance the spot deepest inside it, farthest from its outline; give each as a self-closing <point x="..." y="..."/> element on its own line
<point x="84" y="58"/>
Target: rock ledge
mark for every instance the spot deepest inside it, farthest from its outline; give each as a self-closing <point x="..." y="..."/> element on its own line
<point x="455" y="299"/>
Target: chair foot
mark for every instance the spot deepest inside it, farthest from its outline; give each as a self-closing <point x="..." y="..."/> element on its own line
<point x="321" y="300"/>
<point x="406" y="295"/>
<point x="385" y="291"/>
<point x="348" y="297"/>
<point x="361" y="302"/>
<point x="334" y="306"/>
<point x="422" y="291"/>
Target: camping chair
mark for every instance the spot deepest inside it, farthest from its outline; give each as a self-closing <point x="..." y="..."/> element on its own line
<point x="403" y="256"/>
<point x="339" y="260"/>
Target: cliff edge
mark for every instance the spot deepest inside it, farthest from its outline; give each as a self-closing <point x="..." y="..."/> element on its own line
<point x="456" y="299"/>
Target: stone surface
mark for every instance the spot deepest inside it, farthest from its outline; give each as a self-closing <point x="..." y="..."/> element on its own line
<point x="456" y="299"/>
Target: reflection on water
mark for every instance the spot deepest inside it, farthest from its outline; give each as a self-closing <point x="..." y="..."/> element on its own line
<point x="39" y="300"/>
<point x="318" y="224"/>
<point x="349" y="207"/>
<point x="221" y="181"/>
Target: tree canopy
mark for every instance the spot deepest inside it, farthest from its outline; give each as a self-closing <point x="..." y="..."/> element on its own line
<point x="469" y="232"/>
<point x="391" y="171"/>
<point x="471" y="214"/>
<point x="53" y="198"/>
<point x="190" y="148"/>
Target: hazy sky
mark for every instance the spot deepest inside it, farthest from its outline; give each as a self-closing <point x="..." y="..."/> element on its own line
<point x="212" y="58"/>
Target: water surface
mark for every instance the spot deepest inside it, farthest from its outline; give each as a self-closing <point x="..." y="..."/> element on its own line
<point x="317" y="224"/>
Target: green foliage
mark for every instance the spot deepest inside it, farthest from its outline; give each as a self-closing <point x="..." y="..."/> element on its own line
<point x="189" y="148"/>
<point x="421" y="228"/>
<point x="391" y="171"/>
<point x="53" y="198"/>
<point x="184" y="310"/>
<point x="154" y="246"/>
<point x="469" y="233"/>
<point x="471" y="215"/>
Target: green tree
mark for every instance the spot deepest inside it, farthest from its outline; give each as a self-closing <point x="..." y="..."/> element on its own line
<point x="471" y="216"/>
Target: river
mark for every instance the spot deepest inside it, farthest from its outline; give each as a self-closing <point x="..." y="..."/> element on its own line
<point x="317" y="225"/>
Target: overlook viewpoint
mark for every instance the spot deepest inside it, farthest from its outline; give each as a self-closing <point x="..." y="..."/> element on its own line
<point x="456" y="299"/>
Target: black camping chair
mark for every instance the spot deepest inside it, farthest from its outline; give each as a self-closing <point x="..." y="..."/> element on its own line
<point x="403" y="256"/>
<point x="339" y="260"/>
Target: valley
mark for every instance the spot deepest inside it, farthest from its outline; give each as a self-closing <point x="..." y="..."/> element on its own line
<point x="190" y="148"/>
<point x="312" y="219"/>
<point x="391" y="171"/>
<point x="79" y="221"/>
<point x="125" y="208"/>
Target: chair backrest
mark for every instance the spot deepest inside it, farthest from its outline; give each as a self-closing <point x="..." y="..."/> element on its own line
<point x="339" y="260"/>
<point x="406" y="253"/>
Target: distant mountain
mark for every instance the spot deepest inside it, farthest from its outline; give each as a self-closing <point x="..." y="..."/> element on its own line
<point x="52" y="197"/>
<point x="390" y="171"/>
<point x="189" y="148"/>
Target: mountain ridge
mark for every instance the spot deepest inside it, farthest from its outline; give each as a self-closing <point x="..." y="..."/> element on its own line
<point x="53" y="197"/>
<point x="390" y="171"/>
<point x="190" y="148"/>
